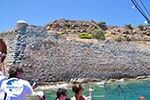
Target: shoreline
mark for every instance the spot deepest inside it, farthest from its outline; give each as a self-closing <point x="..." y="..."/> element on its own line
<point x="63" y="84"/>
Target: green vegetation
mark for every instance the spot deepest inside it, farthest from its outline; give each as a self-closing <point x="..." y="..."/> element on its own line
<point x="129" y="26"/>
<point x="146" y="25"/>
<point x="85" y="36"/>
<point x="99" y="34"/>
<point x="102" y="25"/>
<point x="118" y="38"/>
<point x="141" y="27"/>
<point x="66" y="26"/>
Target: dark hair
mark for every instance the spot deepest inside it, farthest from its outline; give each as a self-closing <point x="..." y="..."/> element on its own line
<point x="61" y="91"/>
<point x="3" y="50"/>
<point x="76" y="87"/>
<point x="13" y="71"/>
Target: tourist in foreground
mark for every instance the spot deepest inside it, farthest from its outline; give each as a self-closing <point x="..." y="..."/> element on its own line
<point x="15" y="87"/>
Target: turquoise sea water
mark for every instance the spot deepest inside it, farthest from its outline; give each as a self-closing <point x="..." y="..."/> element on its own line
<point x="114" y="91"/>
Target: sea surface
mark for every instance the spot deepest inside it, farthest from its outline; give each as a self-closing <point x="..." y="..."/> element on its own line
<point x="121" y="90"/>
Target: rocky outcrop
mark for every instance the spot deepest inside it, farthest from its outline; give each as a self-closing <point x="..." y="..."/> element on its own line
<point x="64" y="26"/>
<point x="49" y="57"/>
<point x="64" y="60"/>
<point x="126" y="34"/>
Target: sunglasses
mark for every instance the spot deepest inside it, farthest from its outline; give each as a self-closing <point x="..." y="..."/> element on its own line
<point x="2" y="54"/>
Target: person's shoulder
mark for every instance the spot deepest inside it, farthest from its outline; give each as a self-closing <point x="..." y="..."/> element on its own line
<point x="25" y="82"/>
<point x="27" y="86"/>
<point x="1" y="73"/>
<point x="84" y="96"/>
<point x="4" y="80"/>
<point x="2" y="77"/>
<point x="73" y="98"/>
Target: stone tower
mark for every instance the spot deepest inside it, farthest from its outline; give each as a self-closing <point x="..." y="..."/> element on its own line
<point x="21" y="27"/>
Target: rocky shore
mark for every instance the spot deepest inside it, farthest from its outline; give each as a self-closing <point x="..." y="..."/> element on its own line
<point x="48" y="56"/>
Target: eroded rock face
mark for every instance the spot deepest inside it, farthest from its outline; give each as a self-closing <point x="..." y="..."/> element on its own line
<point x="48" y="57"/>
<point x="64" y="60"/>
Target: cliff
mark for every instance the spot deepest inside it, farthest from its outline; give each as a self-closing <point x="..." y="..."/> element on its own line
<point x="56" y="53"/>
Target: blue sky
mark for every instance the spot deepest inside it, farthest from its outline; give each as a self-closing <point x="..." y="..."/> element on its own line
<point x="41" y="12"/>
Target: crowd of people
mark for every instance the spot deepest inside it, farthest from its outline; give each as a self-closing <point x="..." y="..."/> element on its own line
<point x="14" y="87"/>
<point x="61" y="93"/>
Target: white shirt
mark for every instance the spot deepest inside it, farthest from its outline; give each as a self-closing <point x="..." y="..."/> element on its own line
<point x="2" y="93"/>
<point x="2" y="78"/>
<point x="17" y="89"/>
<point x="74" y="98"/>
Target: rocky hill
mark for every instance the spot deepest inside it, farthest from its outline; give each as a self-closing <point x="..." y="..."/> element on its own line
<point x="46" y="53"/>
